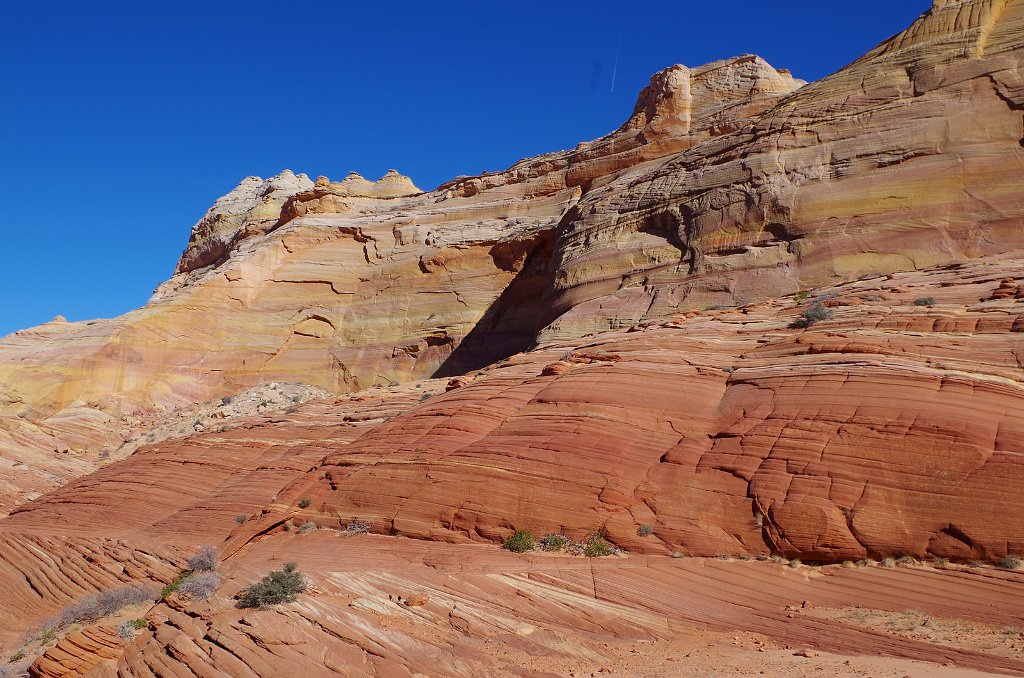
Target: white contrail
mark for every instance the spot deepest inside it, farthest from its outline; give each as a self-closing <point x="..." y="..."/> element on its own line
<point x="615" y="68"/>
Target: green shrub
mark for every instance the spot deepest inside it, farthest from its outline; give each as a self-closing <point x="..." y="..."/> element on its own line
<point x="241" y="518"/>
<point x="280" y="586"/>
<point x="554" y="542"/>
<point x="645" y="530"/>
<point x="305" y="503"/>
<point x="1010" y="562"/>
<point x="598" y="547"/>
<point x="814" y="314"/>
<point x="520" y="541"/>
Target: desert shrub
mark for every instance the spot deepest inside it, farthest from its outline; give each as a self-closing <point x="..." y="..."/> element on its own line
<point x="725" y="556"/>
<point x="1010" y="562"/>
<point x="865" y="562"/>
<point x="357" y="526"/>
<point x="746" y="556"/>
<point x="520" y="541"/>
<point x="924" y="301"/>
<point x="127" y="629"/>
<point x="241" y="518"/>
<point x="296" y="398"/>
<point x="598" y="547"/>
<point x="304" y="503"/>
<point x="226" y="400"/>
<point x="99" y="605"/>
<point x="941" y="563"/>
<point x="280" y="586"/>
<point x="975" y="563"/>
<point x="848" y="563"/>
<point x="802" y="295"/>
<point x="307" y="527"/>
<point x="889" y="562"/>
<point x="205" y="560"/>
<point x="554" y="542"/>
<point x="762" y="557"/>
<point x="645" y="530"/>
<point x="200" y="586"/>
<point x="795" y="563"/>
<point x="816" y="313"/>
<point x="779" y="560"/>
<point x="906" y="561"/>
<point x="678" y="554"/>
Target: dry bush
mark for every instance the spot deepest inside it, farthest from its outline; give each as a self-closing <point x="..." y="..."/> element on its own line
<point x="205" y="560"/>
<point x="200" y="586"/>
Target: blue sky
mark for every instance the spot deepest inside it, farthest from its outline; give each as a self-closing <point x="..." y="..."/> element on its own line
<point x="122" y="121"/>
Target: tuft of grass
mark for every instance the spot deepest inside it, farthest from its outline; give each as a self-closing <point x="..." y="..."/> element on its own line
<point x="762" y="557"/>
<point x="795" y="563"/>
<point x="241" y="518"/>
<point x="1010" y="562"/>
<point x="520" y="541"/>
<point x="848" y="564"/>
<point x="645" y="530"/>
<point x="889" y="562"/>
<point x="304" y="503"/>
<point x="307" y="527"/>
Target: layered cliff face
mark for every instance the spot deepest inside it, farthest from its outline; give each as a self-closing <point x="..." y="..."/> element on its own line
<point x="907" y="158"/>
<point x="341" y="285"/>
<point x="667" y="399"/>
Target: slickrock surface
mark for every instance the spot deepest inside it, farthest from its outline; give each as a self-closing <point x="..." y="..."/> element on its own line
<point x="731" y="182"/>
<point x="910" y="157"/>
<point x="382" y="606"/>
<point x="600" y="339"/>
<point x="892" y="428"/>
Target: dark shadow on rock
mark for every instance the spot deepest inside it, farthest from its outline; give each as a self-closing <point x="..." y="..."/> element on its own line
<point x="509" y="325"/>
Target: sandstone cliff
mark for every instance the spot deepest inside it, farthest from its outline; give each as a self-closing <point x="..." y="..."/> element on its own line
<point x="620" y="320"/>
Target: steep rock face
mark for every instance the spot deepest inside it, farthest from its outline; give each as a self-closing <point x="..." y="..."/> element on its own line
<point x="910" y="157"/>
<point x="893" y="428"/>
<point x="340" y="285"/>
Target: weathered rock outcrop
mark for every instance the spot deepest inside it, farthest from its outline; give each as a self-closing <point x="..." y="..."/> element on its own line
<point x="341" y="285"/>
<point x="892" y="428"/>
<point x="910" y="157"/>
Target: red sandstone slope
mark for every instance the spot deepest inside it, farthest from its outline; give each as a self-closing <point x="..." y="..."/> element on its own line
<point x="891" y="428"/>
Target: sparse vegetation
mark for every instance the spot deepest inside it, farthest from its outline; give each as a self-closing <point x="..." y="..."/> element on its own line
<point x="1010" y="562"/>
<point x="816" y="313"/>
<point x="762" y="557"/>
<point x="554" y="542"/>
<point x="924" y="301"/>
<point x="280" y="586"/>
<point x="96" y="606"/>
<point x="941" y="563"/>
<point x="645" y="530"/>
<point x="307" y="527"/>
<point x="975" y="563"/>
<point x="906" y="561"/>
<point x="127" y="629"/>
<point x="795" y="563"/>
<point x="226" y="400"/>
<point x="520" y="541"/>
<point x="356" y="526"/>
<point x="598" y="547"/>
<point x="889" y="562"/>
<point x="200" y="586"/>
<point x="241" y="518"/>
<point x="205" y="560"/>
<point x="802" y="295"/>
<point x="304" y="503"/>
<point x="848" y="564"/>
